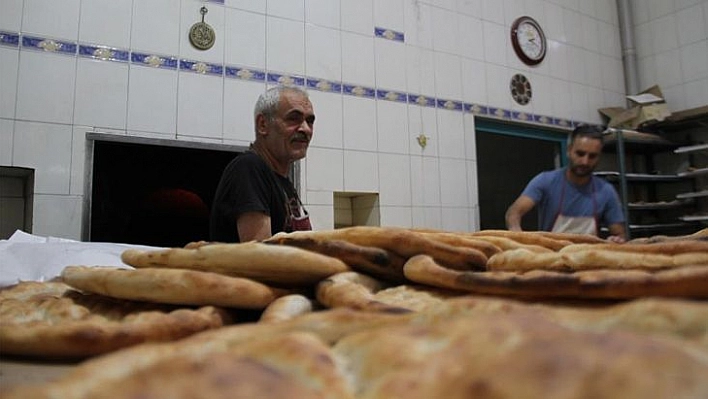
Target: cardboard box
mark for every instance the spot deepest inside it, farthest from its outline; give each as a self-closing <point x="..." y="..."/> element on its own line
<point x="646" y="107"/>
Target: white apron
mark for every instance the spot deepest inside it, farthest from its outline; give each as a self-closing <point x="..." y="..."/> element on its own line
<point x="576" y="224"/>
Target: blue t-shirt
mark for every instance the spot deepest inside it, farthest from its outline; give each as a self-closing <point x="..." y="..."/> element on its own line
<point x="545" y="190"/>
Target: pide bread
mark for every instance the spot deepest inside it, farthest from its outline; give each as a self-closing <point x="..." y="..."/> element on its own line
<point x="403" y="242"/>
<point x="370" y="312"/>
<point x="448" y="353"/>
<point x="287" y="307"/>
<point x="275" y="264"/>
<point x="375" y="261"/>
<point x="52" y="320"/>
<point x="512" y="356"/>
<point x="586" y="257"/>
<point x="689" y="281"/>
<point x="353" y="290"/>
<point x="173" y="286"/>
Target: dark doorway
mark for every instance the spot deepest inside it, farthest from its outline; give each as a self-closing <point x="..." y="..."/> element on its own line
<point x="505" y="163"/>
<point x="152" y="194"/>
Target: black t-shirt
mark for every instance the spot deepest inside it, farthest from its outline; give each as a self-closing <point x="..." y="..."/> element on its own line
<point x="248" y="185"/>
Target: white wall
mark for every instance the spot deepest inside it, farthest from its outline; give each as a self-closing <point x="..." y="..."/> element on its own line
<point x="454" y="51"/>
<point x="672" y="49"/>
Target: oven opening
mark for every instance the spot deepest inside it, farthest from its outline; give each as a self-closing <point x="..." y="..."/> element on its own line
<point x="150" y="193"/>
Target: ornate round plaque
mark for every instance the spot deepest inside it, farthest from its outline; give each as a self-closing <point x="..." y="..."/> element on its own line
<point x="202" y="35"/>
<point x="520" y="89"/>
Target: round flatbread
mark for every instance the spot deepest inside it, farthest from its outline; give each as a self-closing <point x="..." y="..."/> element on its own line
<point x="271" y="264"/>
<point x="51" y="319"/>
<point x="174" y="286"/>
<point x="687" y="282"/>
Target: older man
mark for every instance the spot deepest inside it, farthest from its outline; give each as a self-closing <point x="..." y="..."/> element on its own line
<point x="254" y="198"/>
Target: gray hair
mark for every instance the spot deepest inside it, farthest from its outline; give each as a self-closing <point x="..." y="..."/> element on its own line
<point x="267" y="104"/>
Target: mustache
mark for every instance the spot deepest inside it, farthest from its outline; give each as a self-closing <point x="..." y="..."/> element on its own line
<point x="299" y="136"/>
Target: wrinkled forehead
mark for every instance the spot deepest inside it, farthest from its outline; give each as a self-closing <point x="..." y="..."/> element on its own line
<point x="293" y="100"/>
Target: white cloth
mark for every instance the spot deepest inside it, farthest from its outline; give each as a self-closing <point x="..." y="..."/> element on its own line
<point x="27" y="257"/>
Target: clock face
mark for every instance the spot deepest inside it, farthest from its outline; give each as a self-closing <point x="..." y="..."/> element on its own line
<point x="528" y="40"/>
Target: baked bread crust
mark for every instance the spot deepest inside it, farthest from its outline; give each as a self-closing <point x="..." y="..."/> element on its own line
<point x="510" y="356"/>
<point x="404" y="242"/>
<point x="586" y="257"/>
<point x="286" y="307"/>
<point x="689" y="281"/>
<point x="273" y="264"/>
<point x="53" y="320"/>
<point x="173" y="286"/>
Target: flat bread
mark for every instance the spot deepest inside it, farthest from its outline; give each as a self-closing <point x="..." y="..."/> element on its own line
<point x="404" y="242"/>
<point x="353" y="290"/>
<point x="526" y="237"/>
<point x="673" y="247"/>
<point x="586" y="257"/>
<point x="52" y="320"/>
<point x="682" y="320"/>
<point x="291" y="365"/>
<point x="455" y="352"/>
<point x="287" y="307"/>
<point x="461" y="240"/>
<point x="505" y="243"/>
<point x="684" y="282"/>
<point x="358" y="291"/>
<point x="417" y="298"/>
<point x="700" y="235"/>
<point x="375" y="261"/>
<point x="270" y="264"/>
<point x="92" y="375"/>
<point x="173" y="286"/>
<point x="514" y="356"/>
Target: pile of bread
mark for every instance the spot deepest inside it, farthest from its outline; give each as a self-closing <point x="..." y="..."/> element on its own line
<point x="370" y="312"/>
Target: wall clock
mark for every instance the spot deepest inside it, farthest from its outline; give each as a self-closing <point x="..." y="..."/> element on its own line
<point x="528" y="40"/>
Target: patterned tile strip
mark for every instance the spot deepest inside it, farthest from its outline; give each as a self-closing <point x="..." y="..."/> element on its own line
<point x="104" y="53"/>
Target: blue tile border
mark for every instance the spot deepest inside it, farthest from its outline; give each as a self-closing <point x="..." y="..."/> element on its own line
<point x="244" y="73"/>
<point x="450" y="105"/>
<point x="499" y="112"/>
<point x="392" y="96"/>
<point x="203" y="68"/>
<point x="324" y="85"/>
<point x="359" y="91"/>
<point x="49" y="45"/>
<point x="9" y="39"/>
<point x="476" y="109"/>
<point x="389" y="34"/>
<point x="284" y="79"/>
<point x="522" y="116"/>
<point x="153" y="60"/>
<point x="423" y="101"/>
<point x="105" y="53"/>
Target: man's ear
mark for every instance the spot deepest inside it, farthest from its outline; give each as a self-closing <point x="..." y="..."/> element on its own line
<point x="261" y="124"/>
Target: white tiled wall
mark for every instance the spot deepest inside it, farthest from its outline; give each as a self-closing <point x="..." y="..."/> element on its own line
<point x="672" y="49"/>
<point x="454" y="54"/>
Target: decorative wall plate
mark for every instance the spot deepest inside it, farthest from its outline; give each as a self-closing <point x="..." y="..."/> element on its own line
<point x="520" y="89"/>
<point x="202" y="35"/>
